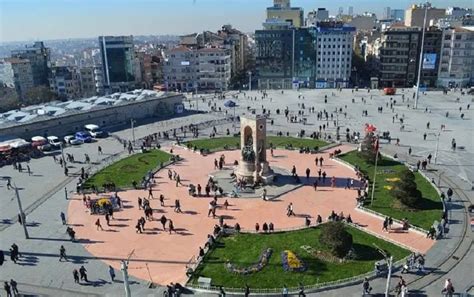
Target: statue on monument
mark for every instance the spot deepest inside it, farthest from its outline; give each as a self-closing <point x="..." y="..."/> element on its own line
<point x="248" y="154"/>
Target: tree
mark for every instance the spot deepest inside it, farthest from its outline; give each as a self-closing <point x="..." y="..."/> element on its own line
<point x="8" y="99"/>
<point x="406" y="190"/>
<point x="38" y="95"/>
<point x="335" y="237"/>
<point x="368" y="152"/>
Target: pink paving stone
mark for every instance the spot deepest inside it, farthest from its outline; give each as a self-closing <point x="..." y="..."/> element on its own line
<point x="167" y="254"/>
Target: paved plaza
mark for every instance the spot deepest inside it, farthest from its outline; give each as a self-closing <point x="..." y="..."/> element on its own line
<point x="162" y="257"/>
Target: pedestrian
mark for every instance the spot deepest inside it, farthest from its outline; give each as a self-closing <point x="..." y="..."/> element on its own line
<point x="284" y="292"/>
<point x="6" y="286"/>
<point x="75" y="274"/>
<point x="385" y="225"/>
<point x="150" y="193"/>
<point x="2" y="257"/>
<point x="28" y="169"/>
<point x="221" y="292"/>
<point x="366" y="288"/>
<point x="308" y="171"/>
<point x="289" y="209"/>
<point x="448" y="289"/>
<point x="409" y="151"/>
<point x="112" y="273"/>
<point x="171" y="226"/>
<point x="62" y="253"/>
<point x="257" y="227"/>
<point x="98" y="225"/>
<point x="83" y="273"/>
<point x="177" y="206"/>
<point x="163" y="221"/>
<point x="162" y="200"/>
<point x="140" y="203"/>
<point x="247" y="288"/>
<point x="63" y="218"/>
<point x="14" y="285"/>
<point x="264" y="195"/>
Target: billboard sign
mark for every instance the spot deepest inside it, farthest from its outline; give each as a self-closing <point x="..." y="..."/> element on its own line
<point x="429" y="61"/>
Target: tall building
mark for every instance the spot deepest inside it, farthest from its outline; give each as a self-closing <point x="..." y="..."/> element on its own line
<point x="397" y="14"/>
<point x="282" y="10"/>
<point x="315" y="16"/>
<point x="237" y="43"/>
<point x="399" y="56"/>
<point x="456" y="67"/>
<point x="118" y="63"/>
<point x="312" y="57"/>
<point x="187" y="69"/>
<point x="350" y="11"/>
<point x="334" y="55"/>
<point x="340" y="11"/>
<point x="65" y="81"/>
<point x="16" y="73"/>
<point x="415" y="15"/>
<point x="458" y="12"/>
<point x="431" y="57"/>
<point x="39" y="57"/>
<point x="386" y="13"/>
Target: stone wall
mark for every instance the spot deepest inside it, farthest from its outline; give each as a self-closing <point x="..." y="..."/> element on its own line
<point x="103" y="117"/>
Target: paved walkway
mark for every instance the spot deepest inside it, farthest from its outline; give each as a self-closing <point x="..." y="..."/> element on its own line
<point x="163" y="257"/>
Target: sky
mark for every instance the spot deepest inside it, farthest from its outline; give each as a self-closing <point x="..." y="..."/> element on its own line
<point x="22" y="20"/>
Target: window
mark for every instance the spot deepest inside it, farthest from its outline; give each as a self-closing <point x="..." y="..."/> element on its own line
<point x="447" y="37"/>
<point x="458" y="37"/>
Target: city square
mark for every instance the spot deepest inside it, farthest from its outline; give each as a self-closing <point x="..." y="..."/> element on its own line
<point x="161" y="258"/>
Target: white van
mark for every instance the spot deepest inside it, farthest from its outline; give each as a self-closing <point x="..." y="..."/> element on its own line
<point x="54" y="141"/>
<point x="95" y="131"/>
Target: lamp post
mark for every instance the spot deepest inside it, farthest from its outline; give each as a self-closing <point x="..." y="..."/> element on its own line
<point x="437" y="146"/>
<point x="20" y="208"/>
<point x="250" y="80"/>
<point x="389" y="261"/>
<point x="420" y="65"/>
<point x="132" y="123"/>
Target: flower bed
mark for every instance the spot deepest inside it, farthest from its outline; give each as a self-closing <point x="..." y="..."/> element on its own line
<point x="262" y="262"/>
<point x="291" y="262"/>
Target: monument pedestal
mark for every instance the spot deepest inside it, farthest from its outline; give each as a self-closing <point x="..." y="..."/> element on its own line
<point x="246" y="171"/>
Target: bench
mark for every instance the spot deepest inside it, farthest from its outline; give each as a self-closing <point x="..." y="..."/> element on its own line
<point x="204" y="282"/>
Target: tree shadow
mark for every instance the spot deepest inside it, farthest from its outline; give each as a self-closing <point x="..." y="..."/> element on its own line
<point x="366" y="252"/>
<point x="428" y="204"/>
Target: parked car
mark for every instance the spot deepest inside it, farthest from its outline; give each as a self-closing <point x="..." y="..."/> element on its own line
<point x="40" y="143"/>
<point x="95" y="131"/>
<point x="71" y="139"/>
<point x="84" y="136"/>
<point x="54" y="141"/>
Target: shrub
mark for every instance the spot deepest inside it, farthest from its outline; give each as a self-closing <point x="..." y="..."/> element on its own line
<point x="405" y="189"/>
<point x="335" y="237"/>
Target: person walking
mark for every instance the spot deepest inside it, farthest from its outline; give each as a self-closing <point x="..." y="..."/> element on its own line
<point x="14" y="287"/>
<point x="140" y="203"/>
<point x="448" y="289"/>
<point x="63" y="218"/>
<point x="75" y="274"/>
<point x="366" y="288"/>
<point x="163" y="221"/>
<point x="7" y="289"/>
<point x="83" y="273"/>
<point x="162" y="200"/>
<point x="98" y="225"/>
<point x="171" y="226"/>
<point x="112" y="273"/>
<point x="284" y="292"/>
<point x="28" y="169"/>
<point x="289" y="209"/>
<point x="2" y="257"/>
<point x="62" y="253"/>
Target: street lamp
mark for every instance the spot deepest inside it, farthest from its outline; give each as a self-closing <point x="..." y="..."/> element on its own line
<point x="250" y="80"/>
<point x="20" y="208"/>
<point x="132" y="123"/>
<point x="437" y="146"/>
<point x="389" y="261"/>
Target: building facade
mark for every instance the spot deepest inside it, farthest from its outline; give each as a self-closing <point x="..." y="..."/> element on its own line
<point x="283" y="11"/>
<point x="65" y="81"/>
<point x="187" y="69"/>
<point x="17" y="73"/>
<point x="315" y="16"/>
<point x="415" y="15"/>
<point x="431" y="57"/>
<point x="39" y="57"/>
<point x="456" y="67"/>
<point x="312" y="57"/>
<point x="118" y="63"/>
<point x="399" y="56"/>
<point x="87" y="81"/>
<point x="334" y="55"/>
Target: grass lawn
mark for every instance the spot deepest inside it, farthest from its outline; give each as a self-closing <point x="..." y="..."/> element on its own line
<point x="245" y="249"/>
<point x="127" y="170"/>
<point x="430" y="208"/>
<point x="216" y="144"/>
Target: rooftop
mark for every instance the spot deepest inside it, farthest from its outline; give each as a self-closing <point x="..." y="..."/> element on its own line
<point x="43" y="112"/>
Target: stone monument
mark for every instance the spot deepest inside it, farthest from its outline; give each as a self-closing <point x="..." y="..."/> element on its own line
<point x="253" y="166"/>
